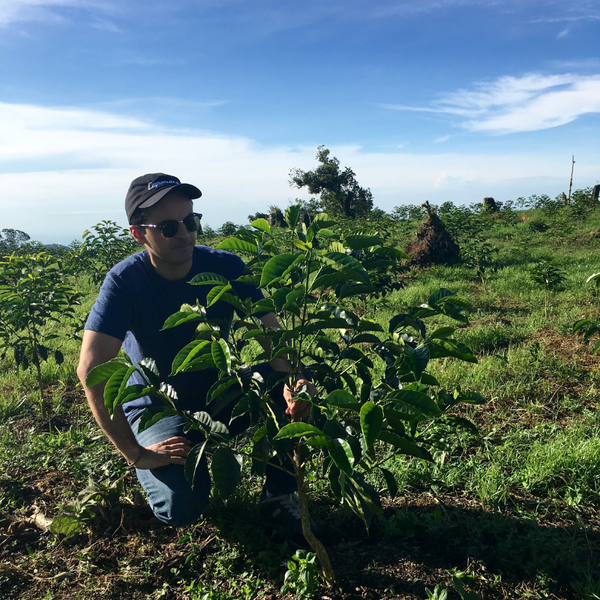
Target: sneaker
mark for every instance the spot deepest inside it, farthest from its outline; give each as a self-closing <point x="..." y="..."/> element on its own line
<point x="285" y="511"/>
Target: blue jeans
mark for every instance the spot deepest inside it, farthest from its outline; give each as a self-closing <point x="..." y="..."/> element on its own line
<point x="171" y="497"/>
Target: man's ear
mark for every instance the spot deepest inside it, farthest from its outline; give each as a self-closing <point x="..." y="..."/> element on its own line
<point x="137" y="234"/>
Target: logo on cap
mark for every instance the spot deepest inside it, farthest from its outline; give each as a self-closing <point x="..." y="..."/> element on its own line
<point x="159" y="183"/>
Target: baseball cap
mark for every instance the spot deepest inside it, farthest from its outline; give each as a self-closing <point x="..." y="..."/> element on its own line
<point x="147" y="190"/>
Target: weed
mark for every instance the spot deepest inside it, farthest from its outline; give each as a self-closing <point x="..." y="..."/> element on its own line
<point x="303" y="576"/>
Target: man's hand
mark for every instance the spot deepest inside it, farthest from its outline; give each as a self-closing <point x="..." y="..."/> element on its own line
<point x="298" y="409"/>
<point x="168" y="452"/>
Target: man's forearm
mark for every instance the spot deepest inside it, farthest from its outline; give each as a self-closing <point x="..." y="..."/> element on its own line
<point x="116" y="429"/>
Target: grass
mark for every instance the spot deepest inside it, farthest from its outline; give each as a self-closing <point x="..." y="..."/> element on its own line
<point x="514" y="512"/>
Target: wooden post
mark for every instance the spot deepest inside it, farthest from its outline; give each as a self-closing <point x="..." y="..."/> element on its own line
<point x="571" y="182"/>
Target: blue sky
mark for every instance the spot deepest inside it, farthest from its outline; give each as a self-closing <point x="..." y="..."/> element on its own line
<point x="433" y="100"/>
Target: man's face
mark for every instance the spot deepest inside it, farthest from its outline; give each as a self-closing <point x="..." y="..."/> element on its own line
<point x="168" y="254"/>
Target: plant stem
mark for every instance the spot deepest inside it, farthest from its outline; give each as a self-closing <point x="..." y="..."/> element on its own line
<point x="36" y="361"/>
<point x="311" y="538"/>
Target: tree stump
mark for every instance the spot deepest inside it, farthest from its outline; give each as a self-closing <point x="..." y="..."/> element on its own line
<point x="276" y="217"/>
<point x="489" y="205"/>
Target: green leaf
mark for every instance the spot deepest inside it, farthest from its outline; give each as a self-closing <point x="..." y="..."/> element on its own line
<point x="444" y="347"/>
<point x="295" y="430"/>
<point x="320" y="221"/>
<point x="451" y="311"/>
<point x="234" y="301"/>
<point x="221" y="355"/>
<point x="336" y="481"/>
<point x="369" y="325"/>
<point x="292" y="213"/>
<point x="239" y="245"/>
<point x="331" y="323"/>
<point x="187" y="354"/>
<point x="367" y="493"/>
<point x="133" y="392"/>
<point x="428" y="379"/>
<point x="341" y="453"/>
<point x="192" y="462"/>
<point x="470" y="398"/>
<point x="462" y="423"/>
<point x="371" y="420"/>
<point x="394" y="419"/>
<point x="357" y="242"/>
<point x="113" y="386"/>
<point x="67" y="525"/>
<point x="262" y="225"/>
<point x="226" y="468"/>
<point x="416" y="359"/>
<point x="152" y="415"/>
<point x="390" y="252"/>
<point x="219" y="388"/>
<point x="390" y="482"/>
<point x="215" y="294"/>
<point x="347" y="264"/>
<point x="366" y="338"/>
<point x="438" y="295"/>
<point x="275" y="268"/>
<point x="349" y="289"/>
<point x="208" y="279"/>
<point x="340" y="398"/>
<point x="414" y="404"/>
<point x="182" y="317"/>
<point x="404" y="445"/>
<point x="317" y="440"/>
<point x="442" y="332"/>
<point x="328" y="280"/>
<point x="104" y="371"/>
<point x="204" y="361"/>
<point x="279" y="297"/>
<point x="219" y="432"/>
<point x="285" y="351"/>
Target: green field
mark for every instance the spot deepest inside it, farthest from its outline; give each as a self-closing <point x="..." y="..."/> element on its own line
<point x="512" y="513"/>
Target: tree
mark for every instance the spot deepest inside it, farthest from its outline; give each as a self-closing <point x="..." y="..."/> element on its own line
<point x="257" y="215"/>
<point x="228" y="228"/>
<point x="340" y="194"/>
<point x="12" y="238"/>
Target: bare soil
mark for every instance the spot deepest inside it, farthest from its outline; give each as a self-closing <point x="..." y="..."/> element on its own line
<point x="518" y="550"/>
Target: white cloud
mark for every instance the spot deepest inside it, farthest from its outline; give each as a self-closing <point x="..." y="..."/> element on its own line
<point x="516" y="104"/>
<point x="13" y="11"/>
<point x="442" y="139"/>
<point x="63" y="169"/>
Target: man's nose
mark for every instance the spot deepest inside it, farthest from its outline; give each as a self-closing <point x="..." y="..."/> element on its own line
<point x="182" y="231"/>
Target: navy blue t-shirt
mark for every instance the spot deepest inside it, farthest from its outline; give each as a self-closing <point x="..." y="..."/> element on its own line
<point x="135" y="301"/>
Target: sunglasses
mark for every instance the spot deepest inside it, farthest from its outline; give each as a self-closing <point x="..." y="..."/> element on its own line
<point x="170" y="227"/>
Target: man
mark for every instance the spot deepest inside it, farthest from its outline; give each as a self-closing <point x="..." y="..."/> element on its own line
<point x="136" y="298"/>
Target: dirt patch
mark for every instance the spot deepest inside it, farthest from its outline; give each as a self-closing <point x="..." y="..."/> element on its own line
<point x="422" y="542"/>
<point x="569" y="347"/>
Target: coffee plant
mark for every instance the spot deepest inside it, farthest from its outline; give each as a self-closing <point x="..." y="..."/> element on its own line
<point x="375" y="396"/>
<point x="33" y="296"/>
<point x="103" y="246"/>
